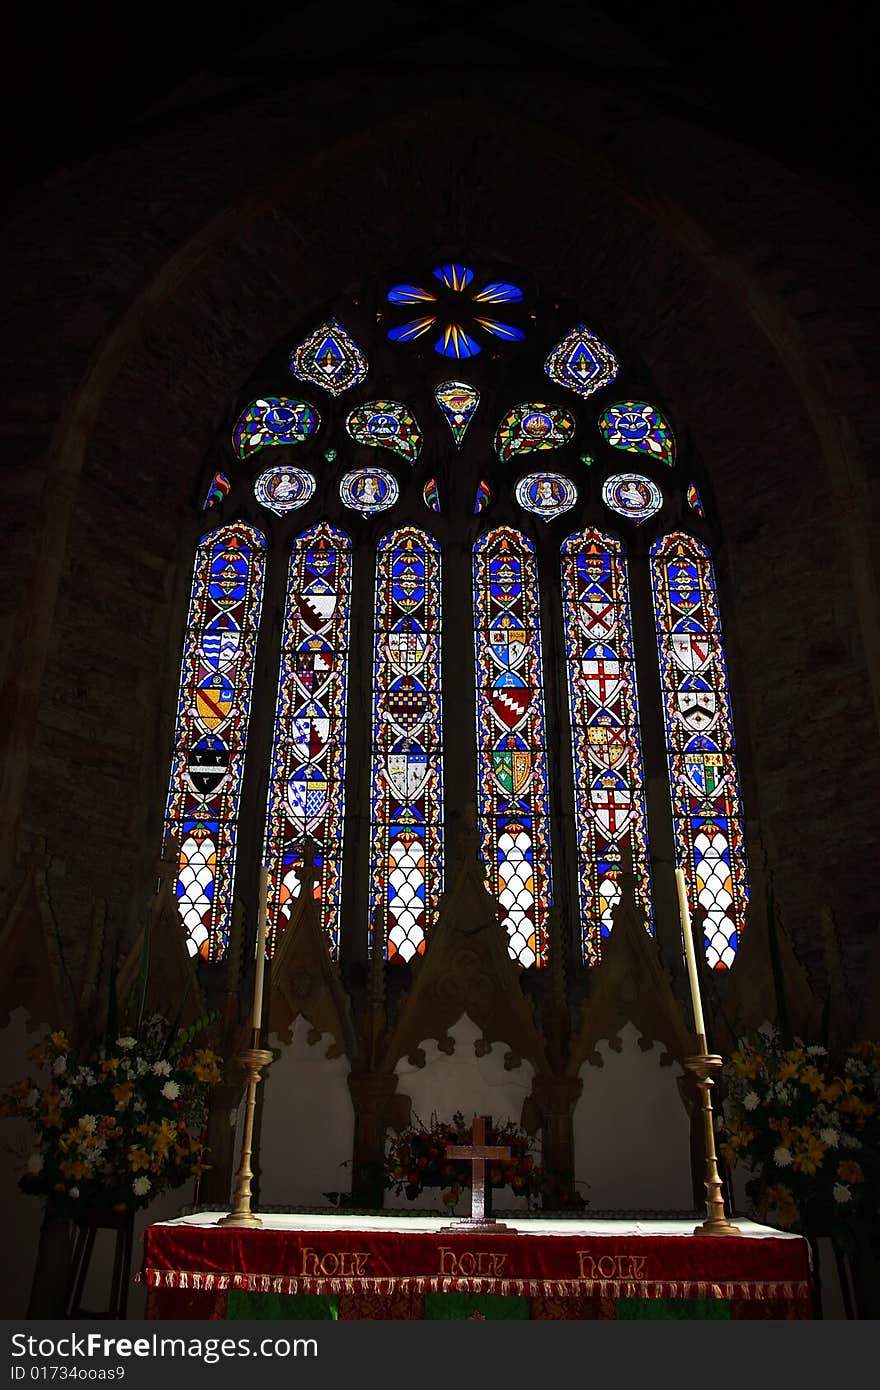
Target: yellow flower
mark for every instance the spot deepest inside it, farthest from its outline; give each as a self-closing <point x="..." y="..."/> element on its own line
<point x="166" y="1135"/>
<point x="206" y="1066"/>
<point x="791" y="1065"/>
<point x="138" y="1158"/>
<point x="781" y="1200"/>
<point x="746" y="1063"/>
<point x="813" y="1078"/>
<point x="808" y="1150"/>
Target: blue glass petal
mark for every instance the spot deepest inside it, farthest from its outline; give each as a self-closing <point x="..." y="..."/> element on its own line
<point x="409" y="294"/>
<point x="499" y="292"/>
<point x="455" y="275"/>
<point x="408" y="331"/>
<point x="502" y="330"/>
<point x="454" y="342"/>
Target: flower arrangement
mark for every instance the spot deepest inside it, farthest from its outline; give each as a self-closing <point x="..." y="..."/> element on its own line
<point x="808" y="1125"/>
<point x="114" y="1128"/>
<point x="416" y="1159"/>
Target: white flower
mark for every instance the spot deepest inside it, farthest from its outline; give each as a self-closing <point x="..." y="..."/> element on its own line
<point x="141" y="1186"/>
<point x="171" y="1090"/>
<point x="65" y="1096"/>
<point x="162" y="1068"/>
<point x="751" y="1100"/>
<point x="126" y="1043"/>
<point x="782" y="1157"/>
<point x="830" y="1136"/>
<point x="849" y="1141"/>
<point x="138" y="1106"/>
<point x="85" y="1076"/>
<point x="841" y="1192"/>
<point x="816" y="1051"/>
<point x="767" y="1030"/>
<point x="35" y="1163"/>
<point x="783" y="1092"/>
<point x="74" y="1192"/>
<point x="59" y="1066"/>
<point x="88" y="1122"/>
<point x="31" y="1098"/>
<point x="854" y="1066"/>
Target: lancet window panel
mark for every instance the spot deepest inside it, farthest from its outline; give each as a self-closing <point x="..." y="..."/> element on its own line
<point x="609" y="791"/>
<point x="406" y="799"/>
<point x="213" y="711"/>
<point x="511" y="749"/>
<point x="706" y="805"/>
<point x="307" y="778"/>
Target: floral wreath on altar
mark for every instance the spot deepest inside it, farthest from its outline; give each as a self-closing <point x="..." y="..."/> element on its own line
<point x="415" y="1158"/>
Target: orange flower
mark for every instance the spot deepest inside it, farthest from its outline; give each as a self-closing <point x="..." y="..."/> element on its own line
<point x="137" y="1158"/>
<point x="850" y="1171"/>
<point x="122" y="1092"/>
<point x="74" y="1169"/>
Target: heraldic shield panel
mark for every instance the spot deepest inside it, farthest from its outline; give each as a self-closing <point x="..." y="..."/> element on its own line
<point x="703" y="779"/>
<point x="213" y="710"/>
<point x="406" y="857"/>
<point x="307" y="778"/>
<point x="511" y="750"/>
<point x="609" y="796"/>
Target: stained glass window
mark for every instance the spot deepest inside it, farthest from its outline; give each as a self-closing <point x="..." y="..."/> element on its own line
<point x="694" y="501"/>
<point x="703" y="778"/>
<point x="458" y="401"/>
<point x="330" y="358"/>
<point x="638" y="428"/>
<point x="282" y="490"/>
<point x="609" y="795"/>
<point x="455" y="306"/>
<point x="307" y="776"/>
<point x="431" y="495"/>
<point x="582" y="362"/>
<point x="528" y="427"/>
<point x="386" y="425"/>
<point x="213" y="710"/>
<point x="368" y="490"/>
<point x="273" y="420"/>
<point x="406" y="859"/>
<point x="632" y="495"/>
<point x="545" y="494"/>
<point x="218" y="489"/>
<point x="511" y="750"/>
<point x="483" y="497"/>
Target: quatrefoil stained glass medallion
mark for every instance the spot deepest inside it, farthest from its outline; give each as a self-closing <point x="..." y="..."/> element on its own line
<point x="460" y="304"/>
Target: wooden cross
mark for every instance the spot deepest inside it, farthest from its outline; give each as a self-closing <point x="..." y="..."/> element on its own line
<point x="476" y="1154"/>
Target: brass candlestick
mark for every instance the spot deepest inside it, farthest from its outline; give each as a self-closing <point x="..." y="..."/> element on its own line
<point x="716" y="1223"/>
<point x="254" y="1058"/>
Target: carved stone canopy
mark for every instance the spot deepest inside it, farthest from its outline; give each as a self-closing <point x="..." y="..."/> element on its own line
<point x="629" y="986"/>
<point x="467" y="969"/>
<point x="304" y="980"/>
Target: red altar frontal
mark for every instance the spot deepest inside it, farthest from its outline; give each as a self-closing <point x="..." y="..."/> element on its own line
<point x="387" y="1266"/>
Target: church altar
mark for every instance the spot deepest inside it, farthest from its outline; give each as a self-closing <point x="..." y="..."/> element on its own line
<point x="350" y="1266"/>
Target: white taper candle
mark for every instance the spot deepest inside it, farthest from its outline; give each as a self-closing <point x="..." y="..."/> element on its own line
<point x="691" y="959"/>
<point x="262" y="926"/>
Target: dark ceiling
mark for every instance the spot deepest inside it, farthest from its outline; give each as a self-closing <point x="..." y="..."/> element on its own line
<point x="794" y="82"/>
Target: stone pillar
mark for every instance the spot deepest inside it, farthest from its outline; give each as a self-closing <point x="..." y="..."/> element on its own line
<point x="554" y="1098"/>
<point x="375" y="1106"/>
